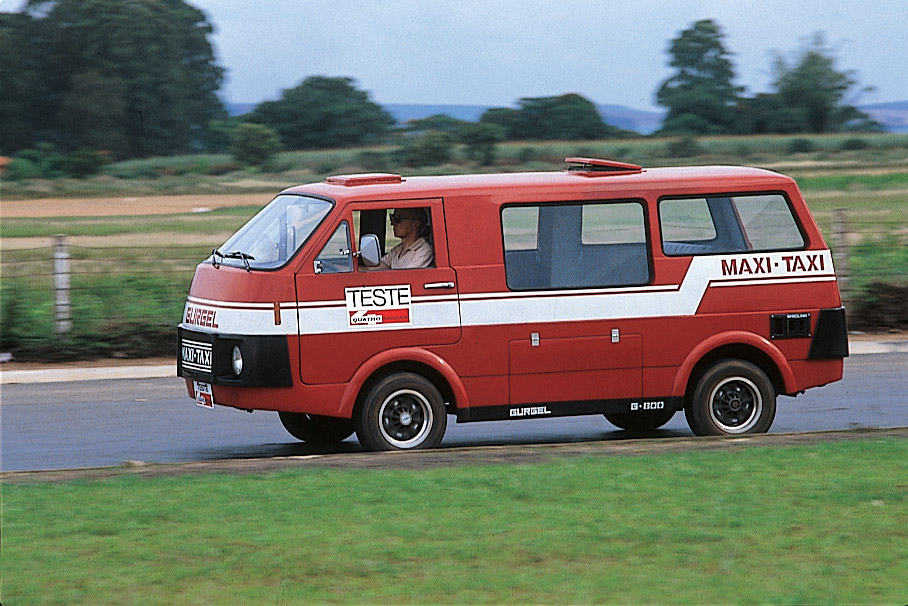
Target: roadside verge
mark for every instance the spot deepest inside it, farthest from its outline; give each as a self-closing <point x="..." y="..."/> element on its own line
<point x="15" y="373"/>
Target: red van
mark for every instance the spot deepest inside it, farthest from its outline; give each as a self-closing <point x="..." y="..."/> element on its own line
<point x="381" y="304"/>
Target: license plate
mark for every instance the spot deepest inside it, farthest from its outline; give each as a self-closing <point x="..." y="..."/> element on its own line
<point x="203" y="395"/>
<point x="196" y="355"/>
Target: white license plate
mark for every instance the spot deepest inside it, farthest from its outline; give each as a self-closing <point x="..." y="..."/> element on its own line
<point x="203" y="395"/>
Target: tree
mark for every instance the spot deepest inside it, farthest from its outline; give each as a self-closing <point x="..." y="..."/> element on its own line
<point x="480" y="140"/>
<point x="324" y="112"/>
<point x="767" y="114"/>
<point x="701" y="95"/>
<point x="568" y="117"/>
<point x="254" y="144"/>
<point x="138" y="76"/>
<point x="438" y="122"/>
<point x="430" y="148"/>
<point x="815" y="89"/>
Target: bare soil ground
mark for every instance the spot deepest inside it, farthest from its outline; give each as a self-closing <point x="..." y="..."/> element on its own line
<point x="456" y="457"/>
<point x="127" y="207"/>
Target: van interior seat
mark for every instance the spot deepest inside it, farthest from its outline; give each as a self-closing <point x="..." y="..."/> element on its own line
<point x="687" y="248"/>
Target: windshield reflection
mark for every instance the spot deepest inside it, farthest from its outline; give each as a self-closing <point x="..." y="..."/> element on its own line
<point x="273" y="236"/>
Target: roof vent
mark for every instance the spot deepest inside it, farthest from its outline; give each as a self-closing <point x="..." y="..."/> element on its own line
<point x="365" y="179"/>
<point x="594" y="167"/>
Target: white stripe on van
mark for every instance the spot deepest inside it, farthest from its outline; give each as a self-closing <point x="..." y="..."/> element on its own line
<point x="497" y="308"/>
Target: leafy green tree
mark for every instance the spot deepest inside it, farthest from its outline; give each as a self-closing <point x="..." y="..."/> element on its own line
<point x="568" y="117"/>
<point x="503" y="117"/>
<point x="254" y="144"/>
<point x="438" y="122"/>
<point x="815" y="89"/>
<point x="701" y="95"/>
<point x="428" y="149"/>
<point x="324" y="112"/>
<point x="25" y="96"/>
<point x="139" y="77"/>
<point x="767" y="114"/>
<point x="480" y="139"/>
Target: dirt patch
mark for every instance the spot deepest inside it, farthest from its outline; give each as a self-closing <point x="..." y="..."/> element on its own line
<point x="455" y="457"/>
<point x="127" y="206"/>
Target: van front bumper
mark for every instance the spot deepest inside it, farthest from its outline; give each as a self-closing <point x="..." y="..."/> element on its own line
<point x="208" y="357"/>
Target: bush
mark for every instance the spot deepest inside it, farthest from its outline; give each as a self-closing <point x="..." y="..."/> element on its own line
<point x="428" y="149"/>
<point x="882" y="308"/>
<point x="801" y="146"/>
<point x="854" y="144"/>
<point x="480" y="139"/>
<point x="43" y="162"/>
<point x="374" y="161"/>
<point x="685" y="147"/>
<point x="254" y="144"/>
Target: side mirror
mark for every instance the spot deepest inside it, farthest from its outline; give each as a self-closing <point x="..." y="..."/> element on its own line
<point x="369" y="250"/>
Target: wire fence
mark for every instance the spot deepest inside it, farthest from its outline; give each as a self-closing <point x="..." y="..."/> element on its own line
<point x="70" y="300"/>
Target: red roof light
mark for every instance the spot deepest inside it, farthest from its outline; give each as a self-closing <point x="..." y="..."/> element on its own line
<point x="365" y="179"/>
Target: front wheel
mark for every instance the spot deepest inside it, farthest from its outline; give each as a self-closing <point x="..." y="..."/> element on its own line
<point x="316" y="429"/>
<point x="401" y="412"/>
<point x="733" y="397"/>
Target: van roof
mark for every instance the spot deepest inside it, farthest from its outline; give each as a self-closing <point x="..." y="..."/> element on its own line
<point x="620" y="177"/>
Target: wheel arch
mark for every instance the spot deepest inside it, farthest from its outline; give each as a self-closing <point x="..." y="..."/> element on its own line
<point x="416" y="360"/>
<point x="741" y="346"/>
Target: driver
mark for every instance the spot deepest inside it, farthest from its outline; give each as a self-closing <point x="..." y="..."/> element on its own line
<point x="414" y="250"/>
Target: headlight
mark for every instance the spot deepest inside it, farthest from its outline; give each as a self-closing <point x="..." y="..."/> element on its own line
<point x="237" y="360"/>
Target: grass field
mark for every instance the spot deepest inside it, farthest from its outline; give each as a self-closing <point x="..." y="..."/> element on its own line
<point x="814" y="524"/>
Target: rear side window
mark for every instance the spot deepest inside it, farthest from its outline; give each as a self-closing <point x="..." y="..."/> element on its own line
<point x="728" y="224"/>
<point x="589" y="245"/>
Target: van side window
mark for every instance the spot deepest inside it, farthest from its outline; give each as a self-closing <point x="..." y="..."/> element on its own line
<point x="335" y="257"/>
<point x="728" y="224"/>
<point x="590" y="245"/>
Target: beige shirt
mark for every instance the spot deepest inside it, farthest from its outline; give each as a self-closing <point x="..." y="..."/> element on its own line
<point x="418" y="254"/>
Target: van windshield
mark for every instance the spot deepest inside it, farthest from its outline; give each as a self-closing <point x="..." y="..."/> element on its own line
<point x="273" y="236"/>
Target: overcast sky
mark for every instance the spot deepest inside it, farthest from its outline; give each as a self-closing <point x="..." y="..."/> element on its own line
<point x="493" y="52"/>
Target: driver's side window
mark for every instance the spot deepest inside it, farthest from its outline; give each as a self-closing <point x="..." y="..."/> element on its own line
<point x="335" y="257"/>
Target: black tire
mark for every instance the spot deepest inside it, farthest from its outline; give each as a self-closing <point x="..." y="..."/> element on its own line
<point x="733" y="397"/>
<point x="315" y="429"/>
<point x="639" y="423"/>
<point x="402" y="411"/>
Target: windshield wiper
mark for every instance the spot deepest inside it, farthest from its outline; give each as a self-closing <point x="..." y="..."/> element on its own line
<point x="215" y="254"/>
<point x="240" y="255"/>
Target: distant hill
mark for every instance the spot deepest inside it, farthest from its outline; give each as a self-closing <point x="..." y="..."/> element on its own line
<point x="404" y="112"/>
<point x="639" y="121"/>
<point x="617" y="115"/>
<point x="238" y="109"/>
<point x="893" y="116"/>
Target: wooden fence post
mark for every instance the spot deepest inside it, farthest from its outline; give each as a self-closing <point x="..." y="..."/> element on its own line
<point x="61" y="286"/>
<point x="841" y="250"/>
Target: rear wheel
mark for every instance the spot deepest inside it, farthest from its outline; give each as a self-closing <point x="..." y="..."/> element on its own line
<point x="316" y="429"/>
<point x="733" y="397"/>
<point x="401" y="412"/>
<point x="640" y="422"/>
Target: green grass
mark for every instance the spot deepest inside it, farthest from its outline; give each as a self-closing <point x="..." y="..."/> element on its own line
<point x="218" y="221"/>
<point x="797" y="525"/>
<point x="855" y="181"/>
<point x="113" y="315"/>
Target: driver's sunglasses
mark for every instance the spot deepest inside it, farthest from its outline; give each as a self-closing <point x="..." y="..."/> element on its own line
<point x="397" y="218"/>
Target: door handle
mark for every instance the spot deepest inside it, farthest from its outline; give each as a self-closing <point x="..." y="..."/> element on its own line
<point x="433" y="285"/>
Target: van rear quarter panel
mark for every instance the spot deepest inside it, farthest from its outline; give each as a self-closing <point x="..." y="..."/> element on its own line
<point x="474" y="237"/>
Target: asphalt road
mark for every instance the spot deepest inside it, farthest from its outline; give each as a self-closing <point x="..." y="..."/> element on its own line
<point x="106" y="423"/>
